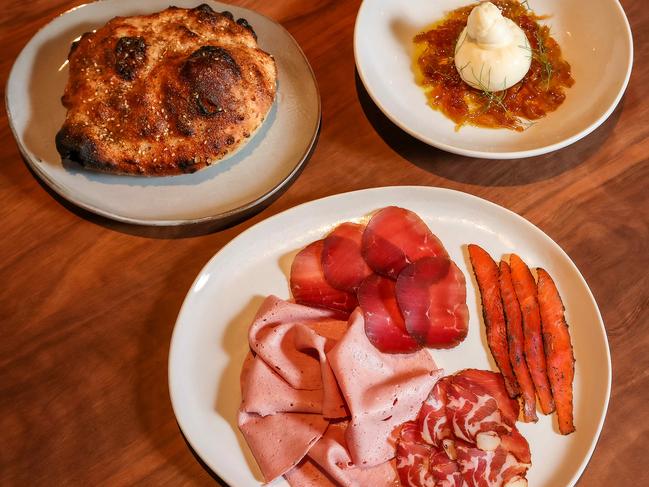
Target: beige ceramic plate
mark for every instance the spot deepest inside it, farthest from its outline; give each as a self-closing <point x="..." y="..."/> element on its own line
<point x="256" y="173"/>
<point x="210" y="342"/>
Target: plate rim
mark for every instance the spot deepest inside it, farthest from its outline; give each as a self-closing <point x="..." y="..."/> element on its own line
<point x="224" y="216"/>
<point x="502" y="154"/>
<point x="174" y="347"/>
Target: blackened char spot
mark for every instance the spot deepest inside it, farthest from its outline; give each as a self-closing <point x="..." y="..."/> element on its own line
<point x="211" y="72"/>
<point x="203" y="7"/>
<point x="130" y="55"/>
<point x="206" y="14"/>
<point x="187" y="165"/>
<point x="77" y="147"/>
<point x="244" y="23"/>
<point x="228" y="14"/>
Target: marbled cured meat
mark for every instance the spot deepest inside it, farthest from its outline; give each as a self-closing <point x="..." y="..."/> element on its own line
<point x="494" y="385"/>
<point x="396" y="237"/>
<point x="384" y="323"/>
<point x="432" y="420"/>
<point x="343" y="265"/>
<point x="309" y="286"/>
<point x="494" y="468"/>
<point x="422" y="465"/>
<point x="473" y="411"/>
<point x="431" y="293"/>
<point x="486" y="274"/>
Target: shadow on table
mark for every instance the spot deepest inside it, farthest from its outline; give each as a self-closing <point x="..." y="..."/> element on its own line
<point x="153" y="406"/>
<point x="506" y="172"/>
<point x="168" y="231"/>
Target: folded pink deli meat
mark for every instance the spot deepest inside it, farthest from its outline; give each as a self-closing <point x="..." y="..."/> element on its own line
<point x="320" y="404"/>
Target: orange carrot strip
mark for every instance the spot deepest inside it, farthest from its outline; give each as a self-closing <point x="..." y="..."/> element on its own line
<point x="486" y="273"/>
<point x="558" y="350"/>
<point x="526" y="293"/>
<point x="513" y="318"/>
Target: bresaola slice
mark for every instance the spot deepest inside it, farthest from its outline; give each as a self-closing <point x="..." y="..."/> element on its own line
<point x="309" y="286"/>
<point x="384" y="325"/>
<point x="343" y="265"/>
<point x="396" y="237"/>
<point x="397" y="245"/>
<point x="432" y="297"/>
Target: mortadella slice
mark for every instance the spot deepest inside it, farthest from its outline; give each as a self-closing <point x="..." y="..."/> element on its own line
<point x="342" y="263"/>
<point x="396" y="237"/>
<point x="432" y="297"/>
<point x="264" y="392"/>
<point x="328" y="464"/>
<point x="384" y="323"/>
<point x="293" y="340"/>
<point x="309" y="286"/>
<point x="382" y="391"/>
<point x="279" y="441"/>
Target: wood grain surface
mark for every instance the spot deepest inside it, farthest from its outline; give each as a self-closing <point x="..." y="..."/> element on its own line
<point x="87" y="306"/>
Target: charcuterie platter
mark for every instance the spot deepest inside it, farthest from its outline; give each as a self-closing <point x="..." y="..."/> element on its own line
<point x="210" y="340"/>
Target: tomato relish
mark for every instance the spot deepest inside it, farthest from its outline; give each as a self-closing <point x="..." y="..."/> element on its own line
<point x="541" y="90"/>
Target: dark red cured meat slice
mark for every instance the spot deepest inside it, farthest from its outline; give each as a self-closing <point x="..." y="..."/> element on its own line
<point x="494" y="384"/>
<point x="396" y="237"/>
<point x="488" y="468"/>
<point x="343" y="265"/>
<point x="384" y="325"/>
<point x="422" y="465"/>
<point x="309" y="286"/>
<point x="432" y="421"/>
<point x="472" y="410"/>
<point x="432" y="296"/>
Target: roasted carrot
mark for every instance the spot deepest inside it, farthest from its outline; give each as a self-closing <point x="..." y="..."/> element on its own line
<point x="526" y="293"/>
<point x="558" y="350"/>
<point x="516" y="341"/>
<point x="486" y="273"/>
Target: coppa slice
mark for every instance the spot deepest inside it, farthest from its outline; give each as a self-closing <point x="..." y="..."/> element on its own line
<point x="486" y="273"/>
<point x="432" y="296"/>
<point x="422" y="465"/>
<point x="309" y="285"/>
<point x="394" y="238"/>
<point x="343" y="265"/>
<point x="558" y="350"/>
<point x="432" y="419"/>
<point x="475" y="414"/>
<point x="517" y="343"/>
<point x="526" y="293"/>
<point x="384" y="325"/>
<point x="495" y="468"/>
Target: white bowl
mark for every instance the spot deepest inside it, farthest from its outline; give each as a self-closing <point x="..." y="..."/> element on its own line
<point x="595" y="39"/>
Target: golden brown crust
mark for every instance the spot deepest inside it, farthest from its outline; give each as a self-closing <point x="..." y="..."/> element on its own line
<point x="167" y="93"/>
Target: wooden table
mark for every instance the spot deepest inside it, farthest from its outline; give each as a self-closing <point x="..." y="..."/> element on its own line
<point x="87" y="306"/>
